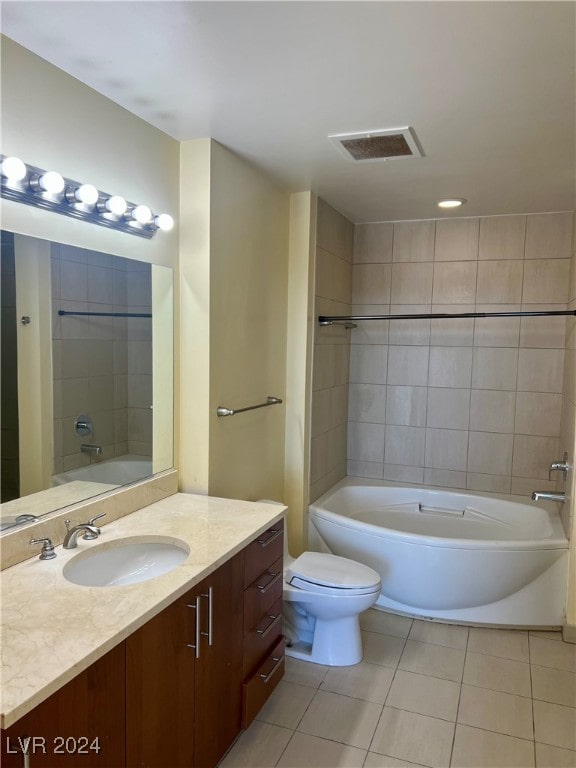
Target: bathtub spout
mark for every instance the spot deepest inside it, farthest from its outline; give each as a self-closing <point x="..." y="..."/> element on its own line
<point x="546" y="496"/>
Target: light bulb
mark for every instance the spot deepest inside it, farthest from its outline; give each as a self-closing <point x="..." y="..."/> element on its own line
<point x="454" y="202"/>
<point x="87" y="194"/>
<point x="164" y="221"/>
<point x="141" y="214"/>
<point x="116" y="205"/>
<point x="51" y="182"/>
<point x="13" y="168"/>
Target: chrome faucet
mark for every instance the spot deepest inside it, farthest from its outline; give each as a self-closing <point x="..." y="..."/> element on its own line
<point x="90" y="532"/>
<point x="560" y="466"/>
<point x="548" y="496"/>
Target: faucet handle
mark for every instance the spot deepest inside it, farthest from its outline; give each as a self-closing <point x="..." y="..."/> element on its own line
<point x="47" y="548"/>
<point x="90" y="535"/>
<point x="559" y="466"/>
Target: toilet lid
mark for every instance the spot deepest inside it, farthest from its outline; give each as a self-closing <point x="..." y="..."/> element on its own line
<point x="317" y="571"/>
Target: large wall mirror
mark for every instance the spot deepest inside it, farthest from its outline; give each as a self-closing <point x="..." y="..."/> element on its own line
<point x="86" y="378"/>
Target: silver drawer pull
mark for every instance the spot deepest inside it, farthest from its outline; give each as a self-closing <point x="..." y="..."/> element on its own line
<point x="196" y="647"/>
<point x="266" y="676"/>
<point x="209" y="634"/>
<point x="273" y="620"/>
<point x="274" y="577"/>
<point x="264" y="540"/>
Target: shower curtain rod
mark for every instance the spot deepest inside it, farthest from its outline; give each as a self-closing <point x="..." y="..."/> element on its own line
<point x="332" y="319"/>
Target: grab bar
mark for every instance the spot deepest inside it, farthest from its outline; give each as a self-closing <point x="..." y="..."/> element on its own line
<point x="221" y="411"/>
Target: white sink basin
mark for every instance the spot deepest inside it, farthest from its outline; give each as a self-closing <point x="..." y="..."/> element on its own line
<point x="125" y="561"/>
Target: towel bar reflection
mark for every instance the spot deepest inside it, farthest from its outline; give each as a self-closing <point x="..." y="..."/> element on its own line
<point x="221" y="411"/>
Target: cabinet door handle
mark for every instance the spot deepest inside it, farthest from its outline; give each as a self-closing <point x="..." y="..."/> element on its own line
<point x="196" y="646"/>
<point x="273" y="578"/>
<point x="209" y="634"/>
<point x="265" y="630"/>
<point x="267" y="675"/>
<point x="269" y="536"/>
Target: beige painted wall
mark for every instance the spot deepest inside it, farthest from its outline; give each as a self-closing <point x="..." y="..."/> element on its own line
<point x="234" y="272"/>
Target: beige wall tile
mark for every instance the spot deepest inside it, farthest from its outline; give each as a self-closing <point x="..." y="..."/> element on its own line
<point x="450" y="367"/>
<point x="333" y="277"/>
<point x="533" y="456"/>
<point x="502" y="237"/>
<point x="404" y="445"/>
<point x="334" y="232"/>
<point x="540" y="370"/>
<point x="411" y="283"/>
<point x="491" y="483"/>
<point x="448" y="478"/>
<point x="373" y="243"/>
<point x="409" y="332"/>
<point x="414" y="240"/>
<point x="364" y="469"/>
<point x="454" y="282"/>
<point x="499" y="282"/>
<point x="497" y="331"/>
<point x="406" y="406"/>
<point x="492" y="411"/>
<point x="448" y="408"/>
<point x="368" y="363"/>
<point x="446" y="449"/>
<point x="398" y="473"/>
<point x="525" y="486"/>
<point x="494" y="368"/>
<point x="452" y="333"/>
<point x="408" y="365"/>
<point x="456" y="240"/>
<point x="367" y="403"/>
<point x="549" y="236"/>
<point x="543" y="332"/>
<point x="489" y="453"/>
<point x="371" y="331"/>
<point x="538" y="413"/>
<point x="371" y="283"/>
<point x="546" y="280"/>
<point x="365" y="442"/>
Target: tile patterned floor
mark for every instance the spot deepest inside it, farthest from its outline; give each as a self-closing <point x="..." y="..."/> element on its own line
<point x="425" y="695"/>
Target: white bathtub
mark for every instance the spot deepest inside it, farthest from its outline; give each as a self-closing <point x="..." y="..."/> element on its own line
<point x="119" y="471"/>
<point x="449" y="555"/>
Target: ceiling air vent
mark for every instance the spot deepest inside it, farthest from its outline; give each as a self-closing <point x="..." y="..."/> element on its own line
<point x="383" y="144"/>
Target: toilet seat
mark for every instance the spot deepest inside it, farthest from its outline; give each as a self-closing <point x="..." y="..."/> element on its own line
<point x="323" y="573"/>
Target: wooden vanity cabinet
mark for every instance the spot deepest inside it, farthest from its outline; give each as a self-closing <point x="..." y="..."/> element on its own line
<point x="82" y="724"/>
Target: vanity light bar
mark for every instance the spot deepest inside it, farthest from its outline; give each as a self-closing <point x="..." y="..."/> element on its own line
<point x="49" y="190"/>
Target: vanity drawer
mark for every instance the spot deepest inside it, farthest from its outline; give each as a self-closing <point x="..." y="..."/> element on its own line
<point x="258" y="688"/>
<point x="262" y="593"/>
<point x="265" y="633"/>
<point x="264" y="551"/>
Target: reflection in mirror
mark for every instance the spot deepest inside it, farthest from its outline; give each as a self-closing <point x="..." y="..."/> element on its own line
<point x="86" y="375"/>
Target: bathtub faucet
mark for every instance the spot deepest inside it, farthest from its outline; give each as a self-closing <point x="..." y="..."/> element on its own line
<point x="91" y="449"/>
<point x="547" y="496"/>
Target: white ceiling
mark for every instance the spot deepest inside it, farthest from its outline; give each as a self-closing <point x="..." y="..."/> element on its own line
<point x="489" y="88"/>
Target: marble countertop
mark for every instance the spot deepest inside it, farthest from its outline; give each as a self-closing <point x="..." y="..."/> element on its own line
<point x="52" y="629"/>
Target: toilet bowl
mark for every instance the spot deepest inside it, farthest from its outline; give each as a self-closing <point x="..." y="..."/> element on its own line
<point x="323" y="598"/>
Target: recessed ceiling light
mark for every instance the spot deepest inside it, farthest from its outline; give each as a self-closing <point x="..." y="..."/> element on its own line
<point x="453" y="202"/>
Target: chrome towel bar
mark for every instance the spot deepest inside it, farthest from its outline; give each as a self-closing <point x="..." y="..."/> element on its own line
<point x="221" y="411"/>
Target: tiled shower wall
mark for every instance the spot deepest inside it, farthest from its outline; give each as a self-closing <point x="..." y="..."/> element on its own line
<point x="568" y="426"/>
<point x="333" y="294"/>
<point x="467" y="403"/>
<point x="102" y="365"/>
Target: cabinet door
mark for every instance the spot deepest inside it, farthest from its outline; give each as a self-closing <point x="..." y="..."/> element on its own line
<point x="81" y="725"/>
<point x="160" y="672"/>
<point x="218" y="681"/>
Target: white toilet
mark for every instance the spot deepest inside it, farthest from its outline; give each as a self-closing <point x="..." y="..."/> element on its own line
<point x="323" y="598"/>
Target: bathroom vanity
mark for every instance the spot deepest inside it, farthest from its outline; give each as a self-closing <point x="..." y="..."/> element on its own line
<point x="160" y="673"/>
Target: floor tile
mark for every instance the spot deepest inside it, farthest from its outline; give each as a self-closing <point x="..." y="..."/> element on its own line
<point x="474" y="748"/>
<point x="554" y="757"/>
<point x="382" y="649"/>
<point x="341" y="718"/>
<point x="506" y="643"/>
<point x="439" y="634"/>
<point x="497" y="674"/>
<point x="433" y="660"/>
<point x="496" y="711"/>
<point x="424" y="695"/>
<point x="552" y="635"/>
<point x="287" y="704"/>
<point x="554" y="685"/>
<point x="385" y="623"/>
<point x="374" y="760"/>
<point x="369" y="682"/>
<point x="304" y="672"/>
<point x="258" y="747"/>
<point x="549" y="653"/>
<point x="554" y="724"/>
<point x="305" y="751"/>
<point x="416" y="738"/>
